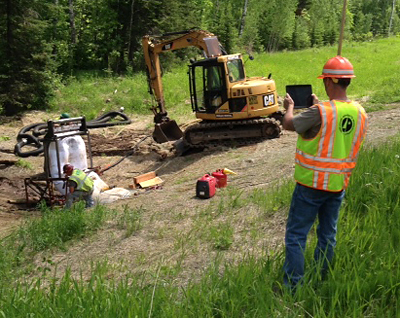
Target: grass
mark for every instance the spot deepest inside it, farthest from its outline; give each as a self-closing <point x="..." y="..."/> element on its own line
<point x="130" y="220"/>
<point x="362" y="282"/>
<point x="24" y="164"/>
<point x="238" y="279"/>
<point x="92" y="94"/>
<point x="376" y="64"/>
<point x="56" y="227"/>
<point x="221" y="236"/>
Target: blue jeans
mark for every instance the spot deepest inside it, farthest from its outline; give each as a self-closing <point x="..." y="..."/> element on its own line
<point x="79" y="195"/>
<point x="306" y="204"/>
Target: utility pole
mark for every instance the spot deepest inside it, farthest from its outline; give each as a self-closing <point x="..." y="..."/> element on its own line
<point x="342" y="27"/>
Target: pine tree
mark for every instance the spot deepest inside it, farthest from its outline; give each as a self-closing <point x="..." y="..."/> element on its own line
<point x="26" y="71"/>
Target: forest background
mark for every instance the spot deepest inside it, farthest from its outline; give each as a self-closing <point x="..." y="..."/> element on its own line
<point x="43" y="42"/>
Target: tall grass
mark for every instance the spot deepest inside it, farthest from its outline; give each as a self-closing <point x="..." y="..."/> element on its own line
<point x="363" y="281"/>
<point x="377" y="66"/>
<point x="55" y="228"/>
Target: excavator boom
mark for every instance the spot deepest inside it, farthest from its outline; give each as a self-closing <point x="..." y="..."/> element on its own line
<point x="153" y="46"/>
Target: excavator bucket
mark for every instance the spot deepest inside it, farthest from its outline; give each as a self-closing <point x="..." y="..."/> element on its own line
<point x="167" y="131"/>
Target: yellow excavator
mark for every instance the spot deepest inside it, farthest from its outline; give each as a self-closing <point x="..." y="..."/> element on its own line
<point x="232" y="107"/>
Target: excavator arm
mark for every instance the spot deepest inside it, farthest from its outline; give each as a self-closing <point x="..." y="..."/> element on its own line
<point x="153" y="46"/>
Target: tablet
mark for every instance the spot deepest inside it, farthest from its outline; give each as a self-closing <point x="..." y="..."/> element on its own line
<point x="301" y="95"/>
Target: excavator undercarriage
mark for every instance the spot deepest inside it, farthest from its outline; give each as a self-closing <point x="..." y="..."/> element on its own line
<point x="240" y="132"/>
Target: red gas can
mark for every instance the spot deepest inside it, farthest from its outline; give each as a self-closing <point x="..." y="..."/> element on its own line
<point x="222" y="178"/>
<point x="205" y="187"/>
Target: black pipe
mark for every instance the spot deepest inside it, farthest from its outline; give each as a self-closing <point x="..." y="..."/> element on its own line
<point x="40" y="129"/>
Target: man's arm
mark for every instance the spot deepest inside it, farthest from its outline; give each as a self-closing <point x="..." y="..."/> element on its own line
<point x="71" y="186"/>
<point x="288" y="104"/>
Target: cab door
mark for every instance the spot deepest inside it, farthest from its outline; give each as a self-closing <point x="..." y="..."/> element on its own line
<point x="207" y="86"/>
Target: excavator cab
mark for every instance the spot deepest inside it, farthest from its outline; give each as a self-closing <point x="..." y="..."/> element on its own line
<point x="208" y="87"/>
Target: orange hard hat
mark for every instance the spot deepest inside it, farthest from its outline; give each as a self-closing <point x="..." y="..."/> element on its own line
<point x="68" y="168"/>
<point x="338" y="67"/>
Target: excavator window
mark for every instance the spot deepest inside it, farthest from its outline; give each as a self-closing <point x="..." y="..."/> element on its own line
<point x="235" y="70"/>
<point x="213" y="78"/>
<point x="199" y="89"/>
<point x="208" y="88"/>
<point x="214" y="87"/>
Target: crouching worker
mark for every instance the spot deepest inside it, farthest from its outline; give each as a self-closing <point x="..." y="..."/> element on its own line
<point x="80" y="186"/>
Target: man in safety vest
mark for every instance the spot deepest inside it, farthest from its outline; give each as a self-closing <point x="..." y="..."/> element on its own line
<point x="80" y="186"/>
<point x="330" y="135"/>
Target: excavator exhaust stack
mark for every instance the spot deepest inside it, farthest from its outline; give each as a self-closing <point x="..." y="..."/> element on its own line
<point x="167" y="131"/>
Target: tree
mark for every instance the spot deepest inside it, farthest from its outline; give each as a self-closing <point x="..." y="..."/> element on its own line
<point x="250" y="39"/>
<point x="301" y="38"/>
<point x="277" y="19"/>
<point x="26" y="71"/>
<point x="243" y="19"/>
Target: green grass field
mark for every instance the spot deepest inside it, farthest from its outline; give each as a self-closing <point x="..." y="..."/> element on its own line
<point x="377" y="67"/>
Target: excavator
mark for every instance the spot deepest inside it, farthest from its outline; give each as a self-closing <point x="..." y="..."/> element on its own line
<point x="230" y="106"/>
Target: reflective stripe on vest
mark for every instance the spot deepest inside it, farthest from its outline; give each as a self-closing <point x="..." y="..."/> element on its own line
<point x="84" y="183"/>
<point x="326" y="161"/>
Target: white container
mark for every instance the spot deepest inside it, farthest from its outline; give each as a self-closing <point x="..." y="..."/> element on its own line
<point x="76" y="152"/>
<point x="53" y="163"/>
<point x="71" y="150"/>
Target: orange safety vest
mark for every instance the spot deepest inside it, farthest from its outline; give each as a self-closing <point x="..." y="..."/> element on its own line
<point x="326" y="161"/>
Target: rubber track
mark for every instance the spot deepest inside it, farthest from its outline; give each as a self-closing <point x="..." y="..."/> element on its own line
<point x="259" y="126"/>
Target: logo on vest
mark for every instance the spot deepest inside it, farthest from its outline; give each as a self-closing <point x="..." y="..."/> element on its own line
<point x="347" y="124"/>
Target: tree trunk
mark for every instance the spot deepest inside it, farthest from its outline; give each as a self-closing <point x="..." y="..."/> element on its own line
<point x="130" y="50"/>
<point x="72" y="21"/>
<point x="55" y="22"/>
<point x="243" y="21"/>
<point x="391" y="17"/>
<point x="10" y="38"/>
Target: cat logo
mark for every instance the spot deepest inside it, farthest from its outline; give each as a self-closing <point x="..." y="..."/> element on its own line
<point x="269" y="100"/>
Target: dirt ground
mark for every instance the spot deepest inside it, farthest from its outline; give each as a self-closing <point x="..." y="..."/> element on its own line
<point x="257" y="165"/>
